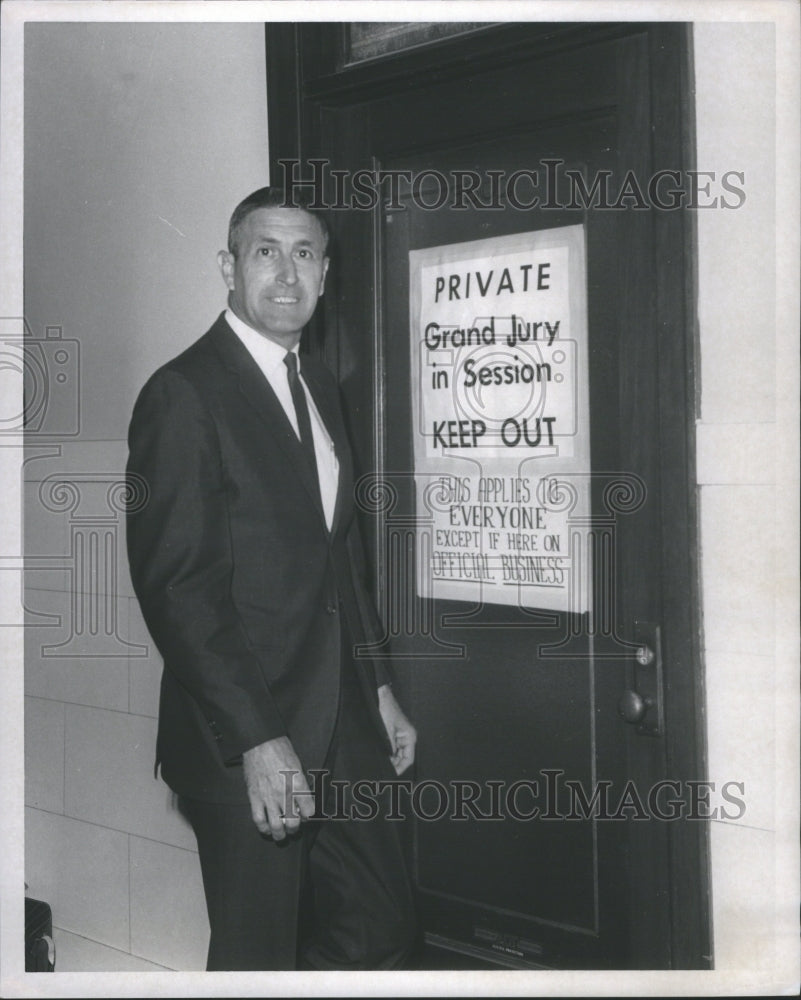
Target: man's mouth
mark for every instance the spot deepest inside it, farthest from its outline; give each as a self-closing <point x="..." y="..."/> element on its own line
<point x="285" y="300"/>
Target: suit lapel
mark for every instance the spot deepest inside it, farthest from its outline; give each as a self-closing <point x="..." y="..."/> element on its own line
<point x="259" y="393"/>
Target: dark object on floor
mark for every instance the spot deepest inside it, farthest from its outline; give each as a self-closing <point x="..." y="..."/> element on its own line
<point x="40" y="951"/>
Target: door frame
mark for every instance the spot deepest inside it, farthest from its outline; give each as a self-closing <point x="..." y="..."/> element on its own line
<point x="305" y="89"/>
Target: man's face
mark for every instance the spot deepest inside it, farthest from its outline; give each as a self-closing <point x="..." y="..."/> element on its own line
<point x="278" y="272"/>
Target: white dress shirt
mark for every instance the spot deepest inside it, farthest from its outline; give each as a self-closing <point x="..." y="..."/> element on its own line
<point x="269" y="356"/>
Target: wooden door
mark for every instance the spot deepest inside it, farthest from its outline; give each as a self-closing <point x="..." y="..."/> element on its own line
<point x="507" y="695"/>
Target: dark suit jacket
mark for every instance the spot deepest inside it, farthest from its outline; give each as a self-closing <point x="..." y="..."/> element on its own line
<point x="240" y="582"/>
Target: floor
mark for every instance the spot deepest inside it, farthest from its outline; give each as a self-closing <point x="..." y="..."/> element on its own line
<point x="75" y="953"/>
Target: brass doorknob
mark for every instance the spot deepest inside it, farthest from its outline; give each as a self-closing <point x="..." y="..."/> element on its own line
<point x="632" y="707"/>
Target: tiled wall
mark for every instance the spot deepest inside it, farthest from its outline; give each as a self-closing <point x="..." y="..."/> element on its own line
<point x="125" y="210"/>
<point x="105" y="844"/>
<point x="736" y="437"/>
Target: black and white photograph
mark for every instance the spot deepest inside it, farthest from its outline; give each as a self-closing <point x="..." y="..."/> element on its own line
<point x="399" y="428"/>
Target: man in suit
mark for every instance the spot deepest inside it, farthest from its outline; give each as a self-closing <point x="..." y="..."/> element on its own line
<point x="247" y="565"/>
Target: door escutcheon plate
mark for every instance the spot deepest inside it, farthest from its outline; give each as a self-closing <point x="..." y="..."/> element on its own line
<point x="648" y="677"/>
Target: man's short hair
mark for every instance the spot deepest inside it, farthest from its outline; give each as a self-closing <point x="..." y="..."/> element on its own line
<point x="273" y="197"/>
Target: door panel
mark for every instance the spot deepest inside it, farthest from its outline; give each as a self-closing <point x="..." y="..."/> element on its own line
<point x="505" y="710"/>
<point x="502" y="694"/>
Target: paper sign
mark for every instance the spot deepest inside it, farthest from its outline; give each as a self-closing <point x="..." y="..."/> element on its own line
<point x="501" y="412"/>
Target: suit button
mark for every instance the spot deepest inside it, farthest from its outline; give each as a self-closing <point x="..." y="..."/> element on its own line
<point x="331" y="609"/>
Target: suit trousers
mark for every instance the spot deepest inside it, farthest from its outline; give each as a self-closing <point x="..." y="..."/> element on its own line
<point x="334" y="896"/>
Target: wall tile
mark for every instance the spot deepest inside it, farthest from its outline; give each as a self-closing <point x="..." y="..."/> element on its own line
<point x="79" y="954"/>
<point x="145" y="681"/>
<point x="109" y="776"/>
<point x="740" y="726"/>
<point x="736" y="252"/>
<point x="82" y="871"/>
<point x="124" y="583"/>
<point x="81" y="456"/>
<point x="44" y="754"/>
<point x="743" y="900"/>
<point x="735" y="453"/>
<point x="78" y="508"/>
<point x="738" y="356"/>
<point x="168" y="909"/>
<point x="145" y="672"/>
<point x="38" y="577"/>
<point x="44" y="532"/>
<point x="737" y="563"/>
<point x="99" y="682"/>
<point x="90" y="675"/>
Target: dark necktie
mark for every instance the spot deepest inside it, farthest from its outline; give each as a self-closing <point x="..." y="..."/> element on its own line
<point x="302" y="414"/>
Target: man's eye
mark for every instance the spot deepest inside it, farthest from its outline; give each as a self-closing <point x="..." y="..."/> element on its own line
<point x="304" y="253"/>
<point x="266" y="251"/>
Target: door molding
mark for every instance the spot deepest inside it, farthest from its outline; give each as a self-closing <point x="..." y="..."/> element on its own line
<point x="309" y="101"/>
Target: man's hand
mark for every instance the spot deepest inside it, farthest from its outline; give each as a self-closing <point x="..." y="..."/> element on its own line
<point x="402" y="734"/>
<point x="279" y="801"/>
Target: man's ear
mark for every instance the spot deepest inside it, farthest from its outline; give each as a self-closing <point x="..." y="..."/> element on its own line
<point x="326" y="262"/>
<point x="225" y="262"/>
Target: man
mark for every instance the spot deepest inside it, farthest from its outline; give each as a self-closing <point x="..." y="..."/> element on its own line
<point x="246" y="562"/>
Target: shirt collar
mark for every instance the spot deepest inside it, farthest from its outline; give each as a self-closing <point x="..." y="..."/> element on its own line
<point x="267" y="353"/>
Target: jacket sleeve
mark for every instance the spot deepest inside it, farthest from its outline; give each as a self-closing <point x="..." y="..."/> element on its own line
<point x="373" y="629"/>
<point x="181" y="564"/>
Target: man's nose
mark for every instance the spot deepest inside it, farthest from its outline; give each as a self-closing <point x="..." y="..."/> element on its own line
<point x="287" y="272"/>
